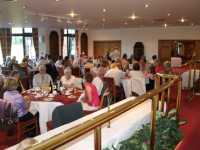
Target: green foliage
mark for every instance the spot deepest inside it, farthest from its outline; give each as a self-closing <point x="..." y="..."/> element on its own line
<point x="167" y="136"/>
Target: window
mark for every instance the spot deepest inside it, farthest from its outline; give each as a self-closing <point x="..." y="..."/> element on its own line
<point x="22" y="43"/>
<point x="69" y="43"/>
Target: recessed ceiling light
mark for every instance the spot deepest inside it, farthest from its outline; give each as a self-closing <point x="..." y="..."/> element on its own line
<point x="169" y="14"/>
<point x="165" y="25"/>
<point x="133" y="17"/>
<point x="57" y="0"/>
<point x="146" y="5"/>
<point x="182" y="20"/>
<point x="104" y="10"/>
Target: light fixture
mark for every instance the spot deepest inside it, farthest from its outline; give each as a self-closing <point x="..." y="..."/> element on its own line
<point x="165" y="25"/>
<point x="57" y="0"/>
<point x="103" y="19"/>
<point x="104" y="10"/>
<point x="182" y="20"/>
<point x="168" y="14"/>
<point x="133" y="17"/>
<point x="72" y="14"/>
<point x="146" y="5"/>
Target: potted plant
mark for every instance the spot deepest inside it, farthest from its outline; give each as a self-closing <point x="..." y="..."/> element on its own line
<point x="168" y="136"/>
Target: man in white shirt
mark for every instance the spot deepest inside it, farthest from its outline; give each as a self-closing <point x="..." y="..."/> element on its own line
<point x="42" y="79"/>
<point x="116" y="74"/>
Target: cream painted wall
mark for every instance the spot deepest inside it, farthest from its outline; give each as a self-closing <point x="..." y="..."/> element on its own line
<point x="149" y="36"/>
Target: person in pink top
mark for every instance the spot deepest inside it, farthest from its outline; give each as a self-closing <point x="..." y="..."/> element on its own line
<point x="91" y="93"/>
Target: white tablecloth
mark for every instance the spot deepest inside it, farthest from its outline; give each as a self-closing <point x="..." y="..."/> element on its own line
<point x="185" y="78"/>
<point x="45" y="110"/>
<point x="122" y="127"/>
<point x="135" y="85"/>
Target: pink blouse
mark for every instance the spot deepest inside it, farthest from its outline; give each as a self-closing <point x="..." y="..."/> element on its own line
<point x="91" y="90"/>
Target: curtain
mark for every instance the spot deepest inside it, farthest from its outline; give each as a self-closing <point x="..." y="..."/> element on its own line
<point x="36" y="41"/>
<point x="77" y="44"/>
<point x="6" y="40"/>
<point x="62" y="40"/>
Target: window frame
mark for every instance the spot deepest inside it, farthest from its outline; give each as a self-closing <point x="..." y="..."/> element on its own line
<point x="24" y="35"/>
<point x="68" y="35"/>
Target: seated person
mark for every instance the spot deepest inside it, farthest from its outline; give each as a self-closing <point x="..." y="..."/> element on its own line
<point x="21" y="105"/>
<point x="90" y="99"/>
<point x="115" y="73"/>
<point x="42" y="78"/>
<point x="68" y="80"/>
<point x="98" y="80"/>
<point x="52" y="70"/>
<point x="136" y="72"/>
<point x="15" y="75"/>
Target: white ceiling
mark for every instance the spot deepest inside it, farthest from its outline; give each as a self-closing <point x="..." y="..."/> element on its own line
<point x="49" y="13"/>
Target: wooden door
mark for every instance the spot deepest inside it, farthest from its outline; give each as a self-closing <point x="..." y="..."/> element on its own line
<point x="54" y="45"/>
<point x="84" y="43"/>
<point x="102" y="47"/>
<point x="165" y="50"/>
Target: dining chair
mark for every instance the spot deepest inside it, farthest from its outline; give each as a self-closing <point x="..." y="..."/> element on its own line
<point x="66" y="114"/>
<point x="25" y="127"/>
<point x="110" y="83"/>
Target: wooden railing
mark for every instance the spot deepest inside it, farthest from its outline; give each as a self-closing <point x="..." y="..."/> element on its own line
<point x="97" y="122"/>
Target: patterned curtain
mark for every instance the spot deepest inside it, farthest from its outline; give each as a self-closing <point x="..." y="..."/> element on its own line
<point x="6" y="40"/>
<point x="62" y="40"/>
<point x="77" y="44"/>
<point x="36" y="41"/>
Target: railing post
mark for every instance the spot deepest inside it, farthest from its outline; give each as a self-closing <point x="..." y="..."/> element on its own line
<point x="178" y="101"/>
<point x="153" y="122"/>
<point x="97" y="138"/>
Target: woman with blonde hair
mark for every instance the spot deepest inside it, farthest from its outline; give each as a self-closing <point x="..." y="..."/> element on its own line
<point x="21" y="104"/>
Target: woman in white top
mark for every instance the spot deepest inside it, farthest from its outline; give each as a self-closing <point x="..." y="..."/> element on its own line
<point x="136" y="72"/>
<point x="68" y="80"/>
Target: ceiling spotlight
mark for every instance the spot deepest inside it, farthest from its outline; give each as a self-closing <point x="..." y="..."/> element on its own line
<point x="57" y="0"/>
<point x="182" y="20"/>
<point x="103" y="10"/>
<point x="165" y="25"/>
<point x="146" y="5"/>
<point x="168" y="14"/>
<point x="133" y="17"/>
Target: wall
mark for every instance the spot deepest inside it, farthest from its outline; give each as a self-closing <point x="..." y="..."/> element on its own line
<point x="149" y="36"/>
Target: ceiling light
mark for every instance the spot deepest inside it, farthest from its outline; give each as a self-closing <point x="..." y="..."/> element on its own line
<point x="103" y="10"/>
<point x="146" y="5"/>
<point x="72" y="14"/>
<point x="165" y="25"/>
<point x="133" y="17"/>
<point x="24" y="7"/>
<point x="57" y="0"/>
<point x="168" y="14"/>
<point x="182" y="20"/>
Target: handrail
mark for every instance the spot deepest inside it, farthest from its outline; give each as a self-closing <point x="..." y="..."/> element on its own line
<point x="96" y="123"/>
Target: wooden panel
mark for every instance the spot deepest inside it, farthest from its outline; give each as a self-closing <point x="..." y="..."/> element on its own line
<point x="54" y="45"/>
<point x="84" y="43"/>
<point x="164" y="50"/>
<point x="101" y="47"/>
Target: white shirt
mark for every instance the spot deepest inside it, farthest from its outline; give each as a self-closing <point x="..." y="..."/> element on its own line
<point x="98" y="83"/>
<point x="136" y="74"/>
<point x="40" y="80"/>
<point x="116" y="74"/>
<point x="68" y="83"/>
